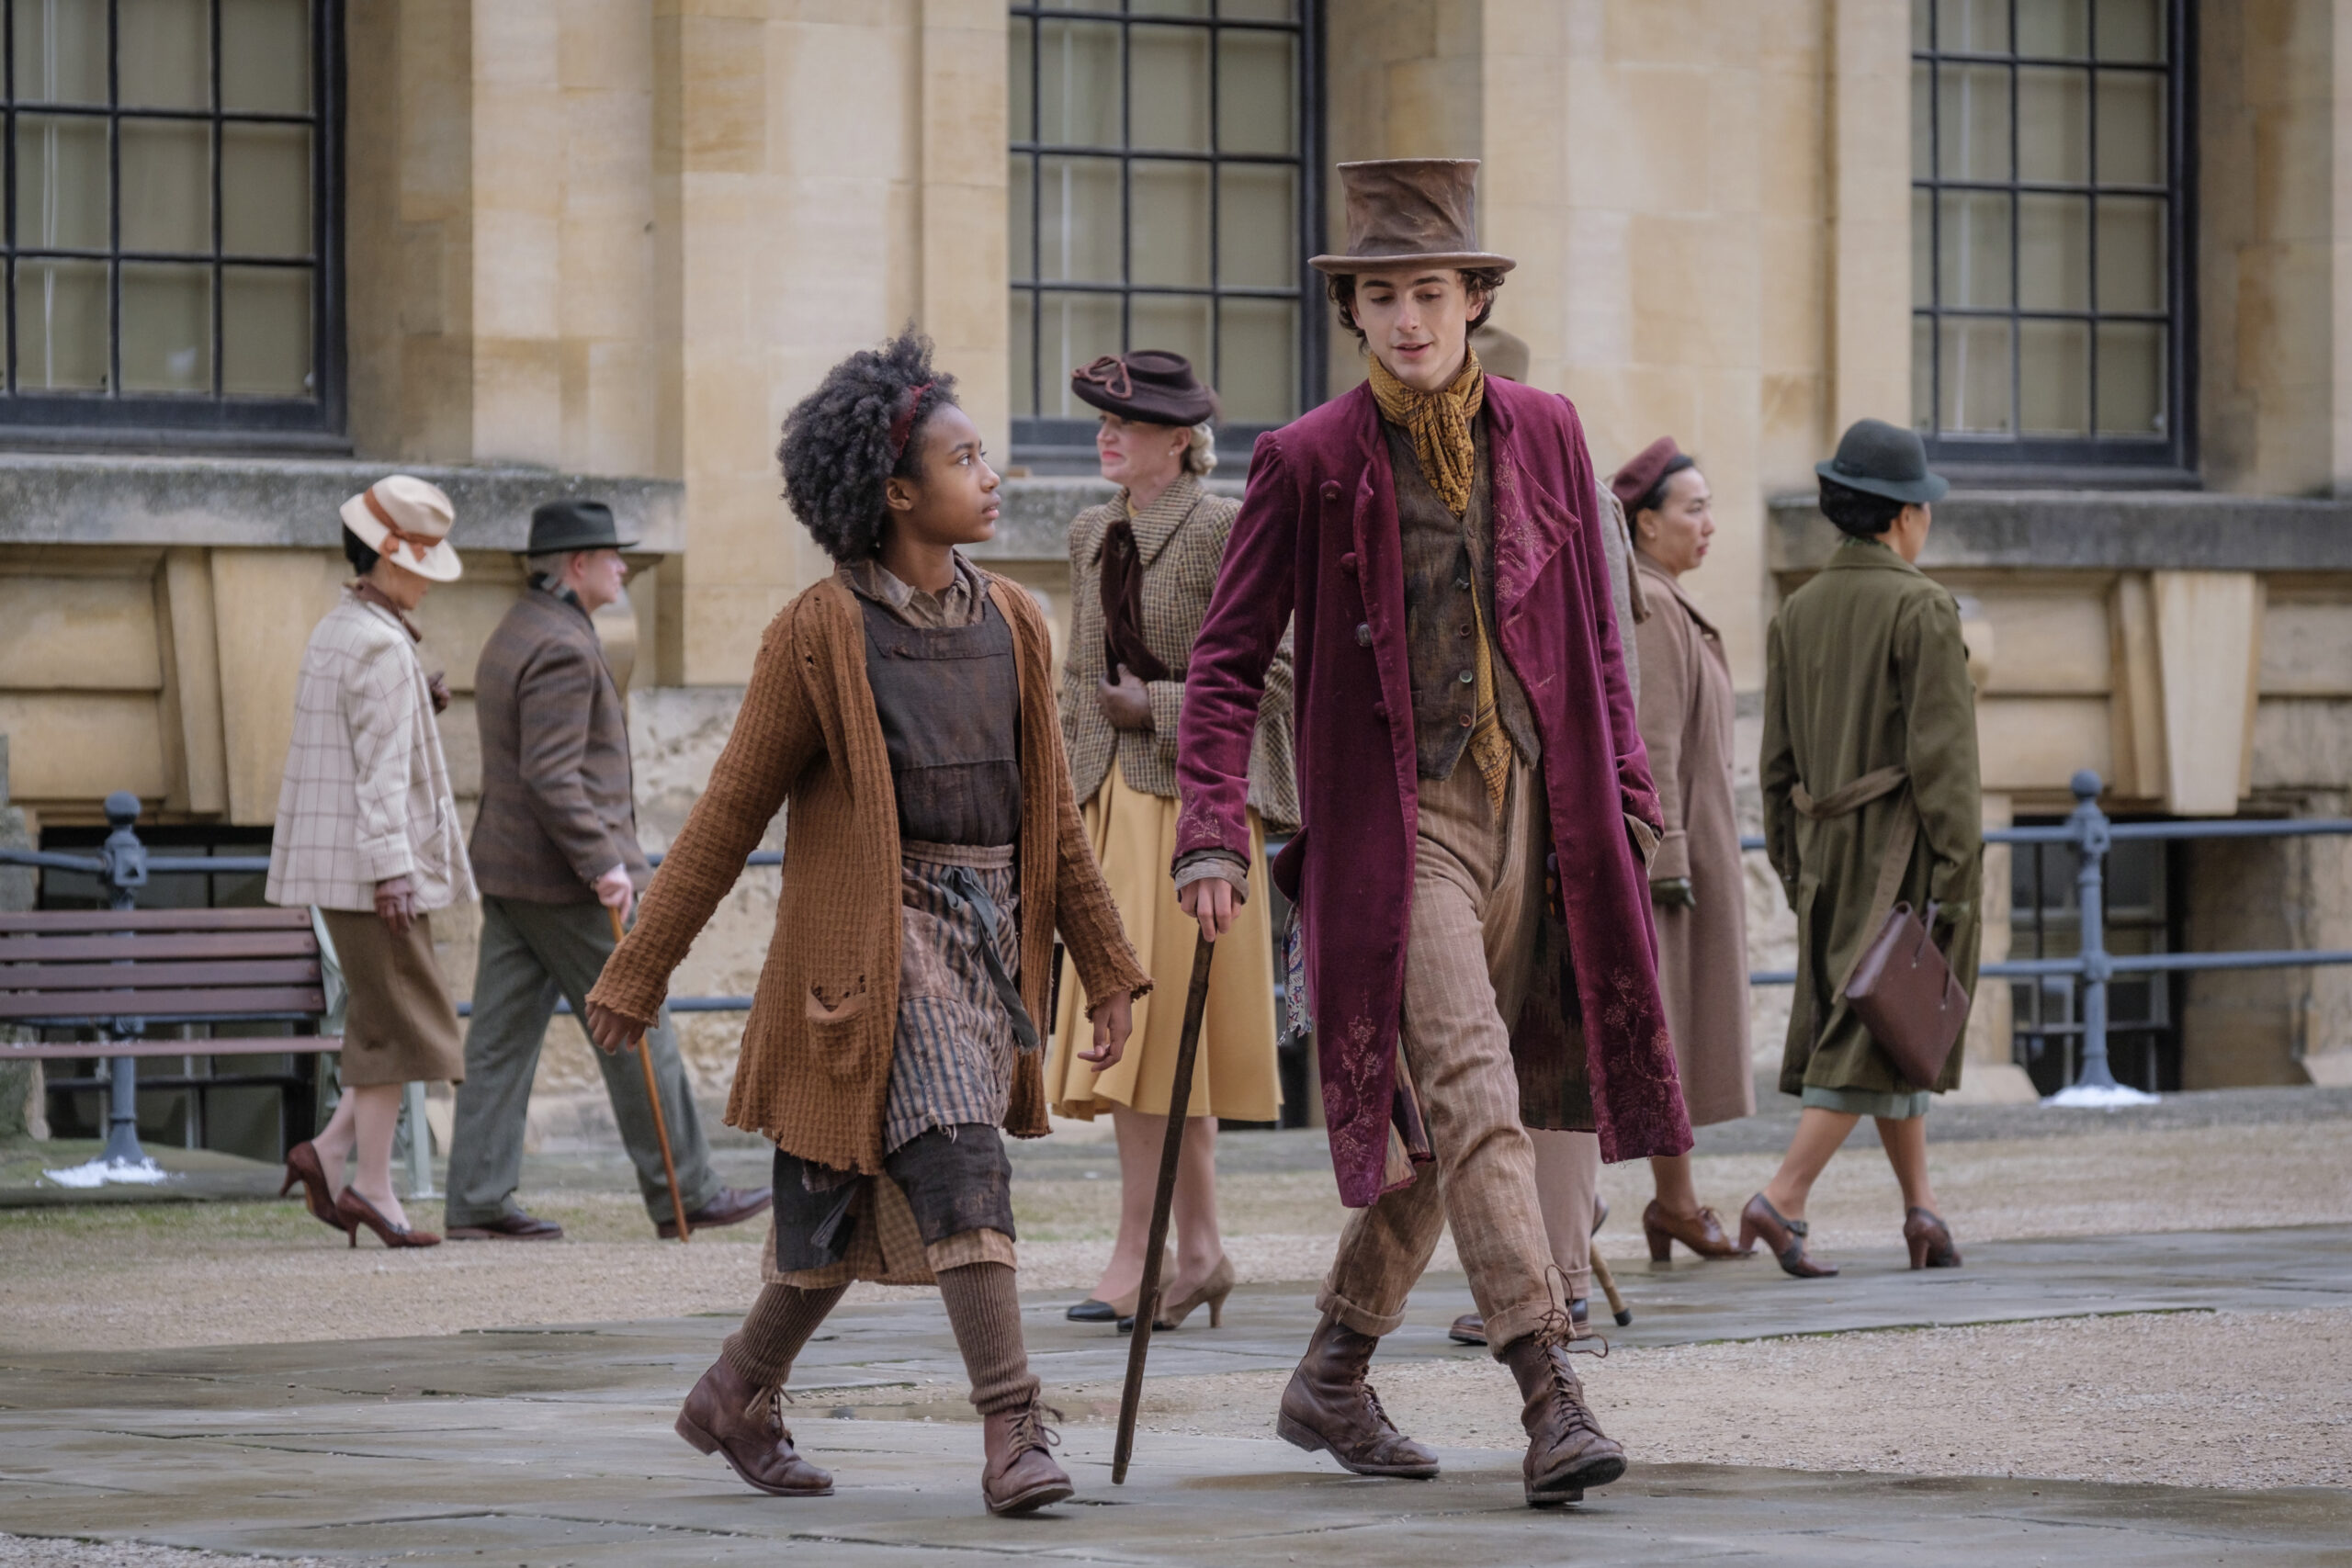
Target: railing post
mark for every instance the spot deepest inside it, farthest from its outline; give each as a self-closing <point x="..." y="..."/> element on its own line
<point x="420" y="1142"/>
<point x="125" y="862"/>
<point x="2089" y="825"/>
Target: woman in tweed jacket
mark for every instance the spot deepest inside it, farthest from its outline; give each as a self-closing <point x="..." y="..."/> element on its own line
<point x="904" y="707"/>
<point x="1142" y="568"/>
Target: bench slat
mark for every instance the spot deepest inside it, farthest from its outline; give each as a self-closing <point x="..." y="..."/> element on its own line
<point x="106" y="949"/>
<point x="239" y="1045"/>
<point x="43" y="920"/>
<point x="229" y="1002"/>
<point x="45" y="977"/>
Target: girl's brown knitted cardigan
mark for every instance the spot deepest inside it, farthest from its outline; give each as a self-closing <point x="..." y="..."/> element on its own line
<point x="816" y="1055"/>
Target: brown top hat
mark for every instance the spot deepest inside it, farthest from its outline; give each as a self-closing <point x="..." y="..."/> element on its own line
<point x="1145" y="384"/>
<point x="1403" y="210"/>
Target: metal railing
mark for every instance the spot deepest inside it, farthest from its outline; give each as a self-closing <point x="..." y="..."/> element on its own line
<point x="2090" y="833"/>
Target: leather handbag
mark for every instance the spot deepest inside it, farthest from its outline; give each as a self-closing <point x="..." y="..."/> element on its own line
<point x="1906" y="996"/>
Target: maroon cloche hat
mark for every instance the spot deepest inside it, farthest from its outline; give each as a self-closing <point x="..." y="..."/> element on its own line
<point x="1645" y="468"/>
<point x="1145" y="384"/>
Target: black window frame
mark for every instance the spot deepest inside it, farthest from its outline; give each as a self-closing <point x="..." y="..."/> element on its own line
<point x="110" y="418"/>
<point x="1061" y="445"/>
<point x="2093" y="458"/>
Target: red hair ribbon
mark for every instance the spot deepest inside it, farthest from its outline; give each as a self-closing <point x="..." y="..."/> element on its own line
<point x="902" y="428"/>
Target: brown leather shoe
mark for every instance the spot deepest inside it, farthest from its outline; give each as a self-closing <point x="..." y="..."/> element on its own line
<point x="1330" y="1407"/>
<point x="727" y="1415"/>
<point x="1785" y="1237"/>
<point x="1021" y="1475"/>
<point x="302" y="1165"/>
<point x="731" y="1206"/>
<point x="1702" y="1235"/>
<point x="1930" y="1242"/>
<point x="1470" y="1329"/>
<point x="1566" y="1451"/>
<point x="518" y="1226"/>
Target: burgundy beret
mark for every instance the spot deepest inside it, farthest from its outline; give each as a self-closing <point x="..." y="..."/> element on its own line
<point x="1643" y="470"/>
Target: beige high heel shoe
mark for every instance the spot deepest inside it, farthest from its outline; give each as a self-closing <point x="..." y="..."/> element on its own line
<point x="1211" y="1291"/>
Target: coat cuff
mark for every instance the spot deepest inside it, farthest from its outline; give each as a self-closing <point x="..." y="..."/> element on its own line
<point x="383" y="859"/>
<point x="1202" y="864"/>
<point x="1673" y="856"/>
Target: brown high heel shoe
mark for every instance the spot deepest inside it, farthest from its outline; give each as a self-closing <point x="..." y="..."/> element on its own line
<point x="1702" y="1235"/>
<point x="1929" y="1240"/>
<point x="302" y="1165"/>
<point x="358" y="1211"/>
<point x="1783" y="1236"/>
<point x="1211" y="1291"/>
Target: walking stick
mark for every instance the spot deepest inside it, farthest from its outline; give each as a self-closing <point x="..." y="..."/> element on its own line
<point x="1180" y="1100"/>
<point x="661" y="1124"/>
<point x="1609" y="1288"/>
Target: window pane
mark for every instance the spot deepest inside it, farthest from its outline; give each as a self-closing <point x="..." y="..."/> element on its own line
<point x="1078" y="83"/>
<point x="164" y="50"/>
<point x="2131" y="268"/>
<point x="1257" y="369"/>
<point x="1923" y="26"/>
<point x="1019" y="64"/>
<point x="266" y="56"/>
<point x="1923" y="125"/>
<point x="1172" y="323"/>
<point x="1258" y="226"/>
<point x="61" y="47"/>
<point x="1168" y="68"/>
<point x="265" y="190"/>
<point x="2053" y="252"/>
<point x="1973" y="26"/>
<point x="1976" y="260"/>
<point x="2054" y="30"/>
<point x="1025" y="353"/>
<point x="1923" y="371"/>
<point x="1972" y="122"/>
<point x="1021" y="221"/>
<point x="1168" y="206"/>
<point x="1259" y="10"/>
<point x="166" y="328"/>
<point x="2053" y="126"/>
<point x="2131" y="129"/>
<point x="167" y="185"/>
<point x="1974" y="397"/>
<point x="265" y="332"/>
<point x="2130" y="378"/>
<point x="1078" y="200"/>
<point x="61" y="183"/>
<point x="2055" y="377"/>
<point x="1079" y="330"/>
<point x="1257" y="108"/>
<point x="2131" y="30"/>
<point x="61" y="325"/>
<point x="1169" y="7"/>
<point x="1923" y="248"/>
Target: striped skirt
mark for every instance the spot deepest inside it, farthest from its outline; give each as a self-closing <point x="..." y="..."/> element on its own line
<point x="960" y="1016"/>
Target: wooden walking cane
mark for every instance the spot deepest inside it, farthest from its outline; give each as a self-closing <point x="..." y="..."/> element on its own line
<point x="661" y="1124"/>
<point x="1624" y="1314"/>
<point x="1163" y="1198"/>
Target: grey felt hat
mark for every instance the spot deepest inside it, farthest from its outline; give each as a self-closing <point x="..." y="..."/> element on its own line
<point x="575" y="524"/>
<point x="1884" y="459"/>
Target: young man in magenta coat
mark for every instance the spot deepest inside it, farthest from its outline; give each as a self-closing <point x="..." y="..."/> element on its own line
<point x="1476" y="807"/>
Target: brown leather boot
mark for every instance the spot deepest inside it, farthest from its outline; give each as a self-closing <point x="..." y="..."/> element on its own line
<point x="1330" y="1407"/>
<point x="1020" y="1474"/>
<point x="1566" y="1451"/>
<point x="725" y="1414"/>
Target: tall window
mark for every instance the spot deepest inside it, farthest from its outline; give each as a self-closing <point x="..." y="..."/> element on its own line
<point x="168" y="216"/>
<point x="2047" y="230"/>
<point x="1159" y="189"/>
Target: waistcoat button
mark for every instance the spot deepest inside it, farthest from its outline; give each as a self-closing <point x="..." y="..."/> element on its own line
<point x="1364" y="634"/>
<point x="1465" y="677"/>
<point x="1465" y="721"/>
<point x="1462" y="584"/>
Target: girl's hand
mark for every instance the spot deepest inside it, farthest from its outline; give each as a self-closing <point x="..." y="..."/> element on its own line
<point x="1115" y="1019"/>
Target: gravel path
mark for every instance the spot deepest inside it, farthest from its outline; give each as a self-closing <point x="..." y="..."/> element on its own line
<point x="25" y="1551"/>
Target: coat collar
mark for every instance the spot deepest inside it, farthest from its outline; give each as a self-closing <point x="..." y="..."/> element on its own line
<point x="1867" y="555"/>
<point x="1653" y="573"/>
<point x="1157" y="524"/>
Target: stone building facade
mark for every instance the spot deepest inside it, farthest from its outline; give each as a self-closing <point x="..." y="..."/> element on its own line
<point x="602" y="245"/>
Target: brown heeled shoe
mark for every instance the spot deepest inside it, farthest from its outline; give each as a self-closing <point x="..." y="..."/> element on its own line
<point x="1784" y="1237"/>
<point x="1702" y="1235"/>
<point x="358" y="1211"/>
<point x="1929" y="1240"/>
<point x="302" y="1165"/>
<point x="1210" y="1291"/>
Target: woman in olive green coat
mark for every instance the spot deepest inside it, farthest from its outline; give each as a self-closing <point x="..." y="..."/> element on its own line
<point x="1864" y="671"/>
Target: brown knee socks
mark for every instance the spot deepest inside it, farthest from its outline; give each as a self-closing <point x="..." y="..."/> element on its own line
<point x="778" y="1325"/>
<point x="985" y="1311"/>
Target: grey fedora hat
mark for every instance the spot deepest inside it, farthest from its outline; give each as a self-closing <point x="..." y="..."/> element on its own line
<point x="575" y="524"/>
<point x="1884" y="459"/>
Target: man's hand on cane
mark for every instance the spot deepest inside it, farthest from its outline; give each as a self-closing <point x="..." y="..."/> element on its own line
<point x="616" y="891"/>
<point x="1211" y="902"/>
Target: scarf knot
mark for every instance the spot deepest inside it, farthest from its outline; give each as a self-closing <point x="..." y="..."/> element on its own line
<point x="1438" y="424"/>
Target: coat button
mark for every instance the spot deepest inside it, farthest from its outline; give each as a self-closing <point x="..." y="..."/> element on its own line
<point x="1348" y="563"/>
<point x="1465" y="677"/>
<point x="1380" y="710"/>
<point x="1330" y="489"/>
<point x="1364" y="634"/>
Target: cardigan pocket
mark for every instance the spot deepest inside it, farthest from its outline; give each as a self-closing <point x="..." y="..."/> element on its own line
<point x="836" y="1026"/>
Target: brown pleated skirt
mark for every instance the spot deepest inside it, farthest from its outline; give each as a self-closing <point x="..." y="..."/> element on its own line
<point x="401" y="1027"/>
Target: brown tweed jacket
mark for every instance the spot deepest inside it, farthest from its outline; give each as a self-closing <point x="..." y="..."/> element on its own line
<point x="1181" y="537"/>
<point x="558" y="807"/>
<point x="816" y="1057"/>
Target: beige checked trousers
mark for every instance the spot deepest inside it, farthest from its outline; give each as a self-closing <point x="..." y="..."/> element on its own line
<point x="1477" y="896"/>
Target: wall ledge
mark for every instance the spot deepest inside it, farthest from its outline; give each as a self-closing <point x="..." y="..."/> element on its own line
<point x="1033" y="522"/>
<point x="2097" y="531"/>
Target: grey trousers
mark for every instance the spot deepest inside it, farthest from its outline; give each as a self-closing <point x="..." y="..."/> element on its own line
<point x="531" y="953"/>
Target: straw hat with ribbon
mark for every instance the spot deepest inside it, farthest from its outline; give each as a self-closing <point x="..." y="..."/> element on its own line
<point x="407" y="521"/>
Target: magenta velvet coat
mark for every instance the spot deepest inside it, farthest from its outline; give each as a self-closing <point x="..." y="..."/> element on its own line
<point x="1317" y="537"/>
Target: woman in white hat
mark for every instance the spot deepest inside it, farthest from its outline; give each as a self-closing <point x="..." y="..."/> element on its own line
<point x="367" y="833"/>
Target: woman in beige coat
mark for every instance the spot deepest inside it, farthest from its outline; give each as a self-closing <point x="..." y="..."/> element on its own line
<point x="1696" y="884"/>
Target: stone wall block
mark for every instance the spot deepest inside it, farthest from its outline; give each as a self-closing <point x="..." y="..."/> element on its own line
<point x="266" y="602"/>
<point x="2208" y="630"/>
<point x="724" y="102"/>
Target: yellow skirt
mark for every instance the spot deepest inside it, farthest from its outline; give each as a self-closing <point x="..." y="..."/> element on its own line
<point x="1134" y="835"/>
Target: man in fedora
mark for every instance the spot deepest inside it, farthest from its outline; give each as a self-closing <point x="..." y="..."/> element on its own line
<point x="554" y="848"/>
<point x="1462" y="719"/>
